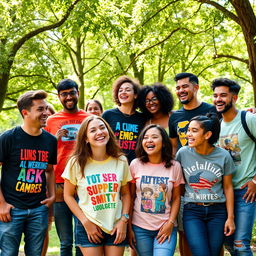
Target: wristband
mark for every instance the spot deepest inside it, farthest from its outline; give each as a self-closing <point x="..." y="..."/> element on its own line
<point x="172" y="222"/>
<point x="254" y="181"/>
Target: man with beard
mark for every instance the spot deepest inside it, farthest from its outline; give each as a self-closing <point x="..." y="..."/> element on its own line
<point x="225" y="95"/>
<point x="186" y="90"/>
<point x="65" y="125"/>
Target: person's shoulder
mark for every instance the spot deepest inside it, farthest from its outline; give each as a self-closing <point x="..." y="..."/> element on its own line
<point x="55" y="116"/>
<point x="249" y="115"/>
<point x="110" y="111"/>
<point x="221" y="151"/>
<point x="135" y="162"/>
<point x="177" y="114"/>
<point x="10" y="132"/>
<point x="82" y="113"/>
<point x="48" y="136"/>
<point x="184" y="149"/>
<point x="122" y="158"/>
<point x="175" y="164"/>
<point x="208" y="106"/>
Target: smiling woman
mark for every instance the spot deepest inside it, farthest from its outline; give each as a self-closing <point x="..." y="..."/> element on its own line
<point x="156" y="102"/>
<point x="99" y="173"/>
<point x="209" y="199"/>
<point x="155" y="190"/>
<point x="124" y="120"/>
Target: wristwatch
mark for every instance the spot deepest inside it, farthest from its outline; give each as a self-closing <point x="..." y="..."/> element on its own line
<point x="126" y="216"/>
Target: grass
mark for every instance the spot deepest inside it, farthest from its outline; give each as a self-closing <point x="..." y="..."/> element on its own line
<point x="54" y="244"/>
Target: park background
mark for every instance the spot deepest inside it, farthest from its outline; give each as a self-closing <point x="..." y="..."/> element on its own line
<point x="96" y="41"/>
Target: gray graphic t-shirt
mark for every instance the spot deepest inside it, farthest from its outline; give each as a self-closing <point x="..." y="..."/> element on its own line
<point x="204" y="173"/>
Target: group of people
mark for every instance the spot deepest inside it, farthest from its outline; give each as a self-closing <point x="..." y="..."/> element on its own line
<point x="131" y="177"/>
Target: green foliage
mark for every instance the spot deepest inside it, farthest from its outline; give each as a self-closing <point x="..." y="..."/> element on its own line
<point x="101" y="40"/>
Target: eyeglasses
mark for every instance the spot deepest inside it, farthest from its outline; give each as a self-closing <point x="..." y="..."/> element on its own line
<point x="152" y="100"/>
<point x="65" y="94"/>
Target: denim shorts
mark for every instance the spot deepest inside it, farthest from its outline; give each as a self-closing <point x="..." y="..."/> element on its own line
<point x="81" y="238"/>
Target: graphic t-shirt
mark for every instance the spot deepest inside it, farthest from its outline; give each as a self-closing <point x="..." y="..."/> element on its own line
<point x="204" y="174"/>
<point x="25" y="159"/>
<point x="126" y="129"/>
<point x="70" y="122"/>
<point x="99" y="190"/>
<point x="241" y="147"/>
<point x="179" y="120"/>
<point x="154" y="184"/>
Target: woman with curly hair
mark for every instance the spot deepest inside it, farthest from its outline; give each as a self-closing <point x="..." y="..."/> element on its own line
<point x="156" y="102"/>
<point x="124" y="120"/>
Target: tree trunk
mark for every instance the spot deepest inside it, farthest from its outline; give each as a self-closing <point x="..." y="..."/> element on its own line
<point x="6" y="69"/>
<point x="139" y="74"/>
<point x="3" y="86"/>
<point x="248" y="24"/>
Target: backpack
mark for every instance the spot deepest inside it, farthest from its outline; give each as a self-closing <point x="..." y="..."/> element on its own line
<point x="244" y="124"/>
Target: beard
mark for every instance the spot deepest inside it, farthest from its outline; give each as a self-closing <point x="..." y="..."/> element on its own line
<point x="73" y="107"/>
<point x="227" y="107"/>
<point x="185" y="102"/>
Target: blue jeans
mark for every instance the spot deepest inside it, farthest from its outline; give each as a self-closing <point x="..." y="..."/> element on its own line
<point x="63" y="218"/>
<point x="245" y="213"/>
<point x="33" y="223"/>
<point x="204" y="228"/>
<point x="147" y="244"/>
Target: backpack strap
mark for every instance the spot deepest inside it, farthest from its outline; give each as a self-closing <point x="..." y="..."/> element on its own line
<point x="245" y="126"/>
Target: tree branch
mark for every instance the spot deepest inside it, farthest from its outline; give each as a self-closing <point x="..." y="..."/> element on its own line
<point x="37" y="31"/>
<point x="87" y="71"/>
<point x="216" y="56"/>
<point x="158" y="43"/>
<point x="209" y="66"/>
<point x="9" y="108"/>
<point x="158" y="11"/>
<point x="225" y="11"/>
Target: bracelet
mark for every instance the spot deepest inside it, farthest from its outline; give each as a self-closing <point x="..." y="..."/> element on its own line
<point x="172" y="222"/>
<point x="254" y="181"/>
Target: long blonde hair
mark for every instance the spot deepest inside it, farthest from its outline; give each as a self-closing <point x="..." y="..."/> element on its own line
<point x="82" y="151"/>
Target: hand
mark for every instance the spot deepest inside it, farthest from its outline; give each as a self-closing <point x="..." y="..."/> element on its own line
<point x="132" y="240"/>
<point x="252" y="110"/>
<point x="94" y="232"/>
<point x="120" y="230"/>
<point x="165" y="232"/>
<point x="229" y="227"/>
<point x="250" y="195"/>
<point x="48" y="201"/>
<point x="5" y="212"/>
<point x="61" y="133"/>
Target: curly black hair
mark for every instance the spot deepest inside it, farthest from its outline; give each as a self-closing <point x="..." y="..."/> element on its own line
<point x="162" y="93"/>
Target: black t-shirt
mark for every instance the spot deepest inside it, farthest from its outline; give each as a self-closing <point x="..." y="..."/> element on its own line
<point x="179" y="120"/>
<point x="24" y="161"/>
<point x="126" y="129"/>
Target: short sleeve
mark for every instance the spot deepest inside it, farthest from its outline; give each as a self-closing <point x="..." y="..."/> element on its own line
<point x="53" y="157"/>
<point x="172" y="128"/>
<point x="229" y="165"/>
<point x="132" y="170"/>
<point x="177" y="174"/>
<point x="5" y="145"/>
<point x="178" y="155"/>
<point x="70" y="171"/>
<point x="251" y="123"/>
<point x="127" y="175"/>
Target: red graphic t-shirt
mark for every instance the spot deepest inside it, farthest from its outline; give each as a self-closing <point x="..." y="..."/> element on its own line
<point x="70" y="122"/>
